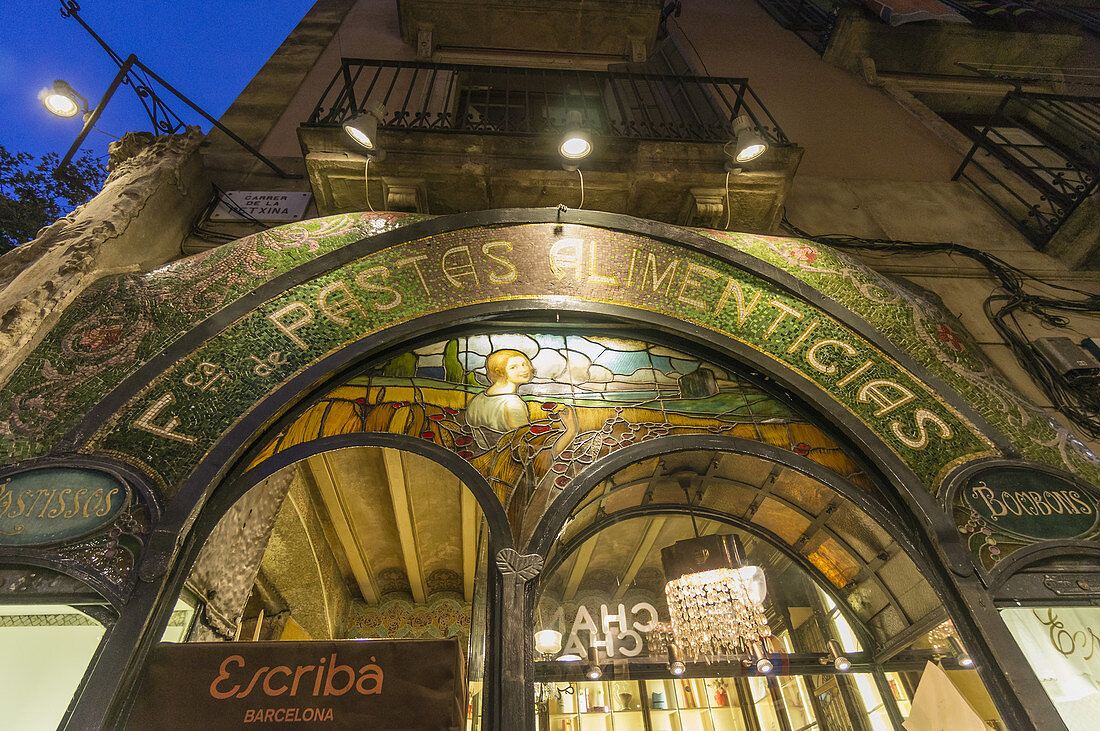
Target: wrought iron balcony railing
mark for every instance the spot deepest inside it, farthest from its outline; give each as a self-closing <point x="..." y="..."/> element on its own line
<point x="1036" y="159"/>
<point x="501" y="100"/>
<point x="811" y="20"/>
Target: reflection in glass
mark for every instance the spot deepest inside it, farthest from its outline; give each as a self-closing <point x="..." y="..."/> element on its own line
<point x="179" y="624"/>
<point x="1061" y="644"/>
<point x="45" y="650"/>
<point x="762" y="699"/>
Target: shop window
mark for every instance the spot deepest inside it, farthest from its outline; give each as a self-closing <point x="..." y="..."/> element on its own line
<point x="46" y="650"/>
<point x="901" y="694"/>
<point x="877" y="716"/>
<point x="182" y="619"/>
<point x="1061" y="644"/>
<point x="519" y="109"/>
<point x="363" y="543"/>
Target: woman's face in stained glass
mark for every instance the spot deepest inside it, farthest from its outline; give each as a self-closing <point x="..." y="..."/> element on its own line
<point x="518" y="369"/>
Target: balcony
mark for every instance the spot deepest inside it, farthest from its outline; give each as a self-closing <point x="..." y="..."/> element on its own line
<point x="1036" y="38"/>
<point x="619" y="29"/>
<point x="462" y="138"/>
<point x="1037" y="160"/>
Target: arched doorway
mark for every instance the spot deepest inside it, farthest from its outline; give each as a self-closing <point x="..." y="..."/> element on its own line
<point x="199" y="399"/>
<point x="838" y="568"/>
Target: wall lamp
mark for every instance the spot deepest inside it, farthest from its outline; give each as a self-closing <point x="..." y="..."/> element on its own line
<point x="593" y="671"/>
<point x="548" y="641"/>
<point x="961" y="655"/>
<point x="62" y="100"/>
<point x="676" y="664"/>
<point x="363" y="128"/>
<point x="747" y="143"/>
<point x="837" y="658"/>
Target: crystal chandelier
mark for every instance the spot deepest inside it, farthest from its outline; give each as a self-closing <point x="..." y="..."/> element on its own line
<point x="715" y="601"/>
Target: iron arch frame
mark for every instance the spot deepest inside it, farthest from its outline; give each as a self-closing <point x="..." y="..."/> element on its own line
<point x="185" y="518"/>
<point x="680" y="509"/>
<point x="555" y="518"/>
<point x="978" y="635"/>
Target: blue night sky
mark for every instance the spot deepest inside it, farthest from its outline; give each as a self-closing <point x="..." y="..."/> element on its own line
<point x="207" y="49"/>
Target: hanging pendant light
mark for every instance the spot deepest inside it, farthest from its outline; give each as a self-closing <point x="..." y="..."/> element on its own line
<point x="715" y="599"/>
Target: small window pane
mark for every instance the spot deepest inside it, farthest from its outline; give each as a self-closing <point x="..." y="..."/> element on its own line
<point x="45" y="651"/>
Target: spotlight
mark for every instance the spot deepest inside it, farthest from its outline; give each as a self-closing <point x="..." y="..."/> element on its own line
<point x="763" y="664"/>
<point x="836" y="656"/>
<point x="62" y="100"/>
<point x="576" y="144"/>
<point x="747" y="143"/>
<point x="548" y="641"/>
<point x="961" y="655"/>
<point x="676" y="660"/>
<point x="593" y="671"/>
<point x="363" y="128"/>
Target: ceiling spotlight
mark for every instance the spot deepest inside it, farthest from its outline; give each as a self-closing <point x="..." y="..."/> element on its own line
<point x="676" y="660"/>
<point x="836" y="656"/>
<point x="62" y="100"/>
<point x="593" y="671"/>
<point x="548" y="641"/>
<point x="961" y="655"/>
<point x="363" y="128"/>
<point x="747" y="143"/>
<point x="576" y="143"/>
<point x="763" y="664"/>
<point x="569" y="657"/>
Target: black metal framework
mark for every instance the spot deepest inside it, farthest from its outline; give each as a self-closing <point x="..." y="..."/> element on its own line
<point x="811" y="20"/>
<point x="140" y="78"/>
<point x="1035" y="159"/>
<point x="1088" y="17"/>
<point x="504" y="100"/>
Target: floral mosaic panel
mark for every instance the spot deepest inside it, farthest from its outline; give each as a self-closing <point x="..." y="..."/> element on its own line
<point x="121" y="322"/>
<point x="929" y="334"/>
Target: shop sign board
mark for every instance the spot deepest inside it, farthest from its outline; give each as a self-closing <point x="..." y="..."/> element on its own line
<point x="1031" y="503"/>
<point x="56" y="504"/>
<point x="342" y="684"/>
<point x="261" y="205"/>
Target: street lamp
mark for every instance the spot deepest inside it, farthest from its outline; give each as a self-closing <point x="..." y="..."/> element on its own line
<point x="62" y="100"/>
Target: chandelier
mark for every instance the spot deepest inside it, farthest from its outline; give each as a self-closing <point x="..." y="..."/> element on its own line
<point x="715" y="602"/>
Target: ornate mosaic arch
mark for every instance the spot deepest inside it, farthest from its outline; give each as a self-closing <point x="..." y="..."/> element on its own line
<point x="155" y="370"/>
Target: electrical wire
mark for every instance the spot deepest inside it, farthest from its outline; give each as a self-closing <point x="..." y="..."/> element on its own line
<point x="366" y="183"/>
<point x="1078" y="399"/>
<point x="220" y="237"/>
<point x="727" y="226"/>
<point x="582" y="189"/>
